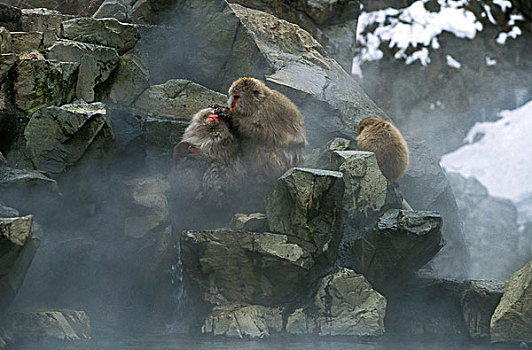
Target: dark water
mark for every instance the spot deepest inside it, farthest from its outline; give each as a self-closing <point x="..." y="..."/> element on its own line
<point x="175" y="342"/>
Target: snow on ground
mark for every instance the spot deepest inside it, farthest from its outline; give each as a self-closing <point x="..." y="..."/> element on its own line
<point x="502" y="159"/>
<point x="413" y="26"/>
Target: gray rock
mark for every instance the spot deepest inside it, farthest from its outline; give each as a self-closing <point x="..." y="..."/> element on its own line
<point x="69" y="325"/>
<point x="112" y="9"/>
<point x="105" y="32"/>
<point x="332" y="23"/>
<point x="7" y="61"/>
<point x="18" y="231"/>
<point x="130" y="79"/>
<point x="17" y="178"/>
<point x="26" y="41"/>
<point x="41" y="83"/>
<point x="512" y="319"/>
<point x="178" y="98"/>
<point x="299" y="322"/>
<point x="496" y="246"/>
<point x="401" y="242"/>
<point x="10" y="17"/>
<point x="245" y="267"/>
<point x="57" y="137"/>
<point x="347" y="305"/>
<point x="95" y="64"/>
<point x="307" y="204"/>
<point x="323" y="157"/>
<point x="6" y="41"/>
<point x="42" y="20"/>
<point x="250" y="222"/>
<point x="244" y="321"/>
<point x="367" y="193"/>
<point x="17" y="251"/>
<point x="479" y="300"/>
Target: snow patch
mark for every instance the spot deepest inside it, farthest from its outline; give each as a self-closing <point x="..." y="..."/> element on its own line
<point x="490" y="61"/>
<point x="501" y="160"/>
<point x="451" y="62"/>
<point x="514" y="33"/>
<point x="413" y="27"/>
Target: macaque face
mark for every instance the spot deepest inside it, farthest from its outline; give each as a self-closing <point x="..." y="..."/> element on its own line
<point x="234" y="99"/>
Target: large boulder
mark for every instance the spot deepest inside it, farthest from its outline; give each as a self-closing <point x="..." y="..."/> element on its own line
<point x="246" y="267"/>
<point x="96" y="63"/>
<point x="25" y="42"/>
<point x="399" y="244"/>
<point x="177" y="99"/>
<point x="512" y="319"/>
<point x="112" y="9"/>
<point x="244" y="321"/>
<point x="42" y="83"/>
<point x="332" y="23"/>
<point x="307" y="204"/>
<point x="348" y="305"/>
<point x="105" y="32"/>
<point x="240" y="42"/>
<point x="42" y="20"/>
<point x="17" y="251"/>
<point x="479" y="300"/>
<point x="57" y="137"/>
<point x="345" y="304"/>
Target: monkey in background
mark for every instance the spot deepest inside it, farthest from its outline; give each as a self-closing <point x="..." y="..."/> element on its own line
<point x="269" y="127"/>
<point x="210" y="150"/>
<point x="385" y="140"/>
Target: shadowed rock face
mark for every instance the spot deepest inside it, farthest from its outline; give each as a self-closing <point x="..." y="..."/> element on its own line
<point x="401" y="242"/>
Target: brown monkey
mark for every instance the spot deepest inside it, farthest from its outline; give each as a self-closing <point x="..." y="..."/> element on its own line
<point x="269" y="127"/>
<point x="382" y="138"/>
<point x="210" y="150"/>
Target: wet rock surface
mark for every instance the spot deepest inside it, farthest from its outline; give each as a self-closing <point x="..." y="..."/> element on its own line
<point x="512" y="319"/>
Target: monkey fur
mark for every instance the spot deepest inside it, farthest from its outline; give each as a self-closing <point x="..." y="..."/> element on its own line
<point x="385" y="140"/>
<point x="269" y="127"/>
<point x="210" y="148"/>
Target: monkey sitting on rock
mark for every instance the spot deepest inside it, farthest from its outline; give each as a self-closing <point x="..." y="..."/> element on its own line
<point x="210" y="150"/>
<point x="269" y="128"/>
<point x="385" y="140"/>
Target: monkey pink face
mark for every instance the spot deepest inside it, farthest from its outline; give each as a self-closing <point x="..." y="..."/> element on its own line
<point x="234" y="99"/>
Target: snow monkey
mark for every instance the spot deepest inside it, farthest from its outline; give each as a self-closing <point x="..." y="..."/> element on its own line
<point x="269" y="127"/>
<point x="382" y="138"/>
<point x="209" y="146"/>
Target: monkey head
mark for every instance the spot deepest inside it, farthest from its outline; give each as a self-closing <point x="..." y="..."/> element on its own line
<point x="245" y="93"/>
<point x="367" y="122"/>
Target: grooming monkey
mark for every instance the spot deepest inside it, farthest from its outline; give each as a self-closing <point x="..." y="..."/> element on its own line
<point x="382" y="138"/>
<point x="210" y="148"/>
<point x="269" y="127"/>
